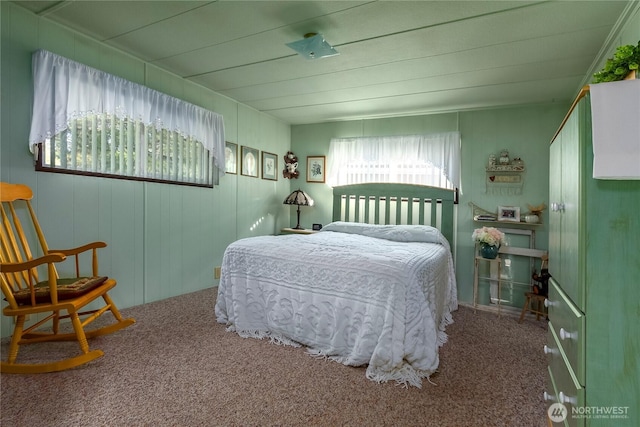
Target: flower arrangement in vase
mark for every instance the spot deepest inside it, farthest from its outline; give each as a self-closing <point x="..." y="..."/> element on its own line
<point x="490" y="239"/>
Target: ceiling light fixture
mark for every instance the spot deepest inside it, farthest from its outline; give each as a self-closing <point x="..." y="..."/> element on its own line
<point x="313" y="46"/>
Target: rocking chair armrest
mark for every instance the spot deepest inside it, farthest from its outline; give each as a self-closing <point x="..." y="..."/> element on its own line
<point x="16" y="267"/>
<point x="79" y="249"/>
<point x="75" y="252"/>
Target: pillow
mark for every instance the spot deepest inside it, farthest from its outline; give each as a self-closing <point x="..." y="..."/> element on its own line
<point x="67" y="289"/>
<point x="398" y="233"/>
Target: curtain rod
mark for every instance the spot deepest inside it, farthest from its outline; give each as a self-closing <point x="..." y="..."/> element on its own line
<point x="583" y="92"/>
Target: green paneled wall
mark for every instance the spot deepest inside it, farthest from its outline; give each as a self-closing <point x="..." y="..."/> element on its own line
<point x="164" y="240"/>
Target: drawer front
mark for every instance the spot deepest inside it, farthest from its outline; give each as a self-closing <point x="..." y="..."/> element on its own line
<point x="569" y="391"/>
<point x="551" y="397"/>
<point x="568" y="325"/>
<point x="552" y="347"/>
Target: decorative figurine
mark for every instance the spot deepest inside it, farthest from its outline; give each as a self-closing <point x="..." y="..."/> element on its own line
<point x="504" y="157"/>
<point x="290" y="166"/>
<point x="492" y="159"/>
<point x="537" y="210"/>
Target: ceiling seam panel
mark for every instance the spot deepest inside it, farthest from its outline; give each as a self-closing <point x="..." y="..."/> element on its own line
<point x="381" y="64"/>
<point x="287" y="25"/>
<point x="158" y="21"/>
<point x="354" y="42"/>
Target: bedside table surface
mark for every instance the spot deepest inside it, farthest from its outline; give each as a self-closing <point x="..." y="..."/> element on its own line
<point x="298" y="231"/>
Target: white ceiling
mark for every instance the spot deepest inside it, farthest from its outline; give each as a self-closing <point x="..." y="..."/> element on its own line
<point x="396" y="57"/>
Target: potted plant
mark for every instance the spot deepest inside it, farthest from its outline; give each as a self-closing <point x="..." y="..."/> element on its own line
<point x="490" y="239"/>
<point x="625" y="60"/>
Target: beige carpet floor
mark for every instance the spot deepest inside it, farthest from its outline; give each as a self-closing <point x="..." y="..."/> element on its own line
<point x="178" y="367"/>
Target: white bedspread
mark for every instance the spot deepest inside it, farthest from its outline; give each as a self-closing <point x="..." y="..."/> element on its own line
<point x="360" y="300"/>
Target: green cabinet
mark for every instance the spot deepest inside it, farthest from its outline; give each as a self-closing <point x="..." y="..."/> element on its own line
<point x="565" y="196"/>
<point x="594" y="299"/>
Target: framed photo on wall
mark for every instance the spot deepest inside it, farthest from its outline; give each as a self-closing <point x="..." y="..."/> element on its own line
<point x="269" y="166"/>
<point x="249" y="161"/>
<point x="509" y="213"/>
<point x="231" y="158"/>
<point x="315" y="168"/>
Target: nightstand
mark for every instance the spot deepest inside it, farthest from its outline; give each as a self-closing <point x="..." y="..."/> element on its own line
<point x="476" y="278"/>
<point x="288" y="230"/>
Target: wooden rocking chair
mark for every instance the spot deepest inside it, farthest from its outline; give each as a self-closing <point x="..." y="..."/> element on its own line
<point x="27" y="296"/>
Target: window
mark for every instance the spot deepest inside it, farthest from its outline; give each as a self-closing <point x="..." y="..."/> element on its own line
<point x="89" y="122"/>
<point x="432" y="160"/>
<point x="108" y="146"/>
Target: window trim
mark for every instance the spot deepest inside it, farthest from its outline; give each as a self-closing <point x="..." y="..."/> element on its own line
<point x="41" y="168"/>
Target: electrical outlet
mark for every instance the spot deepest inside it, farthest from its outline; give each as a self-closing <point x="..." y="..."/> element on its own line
<point x="216" y="272"/>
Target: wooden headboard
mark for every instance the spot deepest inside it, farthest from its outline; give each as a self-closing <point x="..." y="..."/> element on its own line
<point x="376" y="203"/>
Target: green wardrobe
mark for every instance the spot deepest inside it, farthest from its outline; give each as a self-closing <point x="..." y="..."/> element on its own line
<point x="593" y="346"/>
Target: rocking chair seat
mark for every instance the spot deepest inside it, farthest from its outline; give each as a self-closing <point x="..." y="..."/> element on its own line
<point x="68" y="288"/>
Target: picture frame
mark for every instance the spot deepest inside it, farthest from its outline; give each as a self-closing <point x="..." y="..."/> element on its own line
<point x="250" y="160"/>
<point x="231" y="158"/>
<point x="509" y="213"/>
<point x="316" y="168"/>
<point x="269" y="166"/>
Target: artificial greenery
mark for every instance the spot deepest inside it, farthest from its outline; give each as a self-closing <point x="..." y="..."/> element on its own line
<point x="625" y="60"/>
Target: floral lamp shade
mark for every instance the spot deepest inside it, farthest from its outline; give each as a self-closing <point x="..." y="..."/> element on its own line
<point x="298" y="198"/>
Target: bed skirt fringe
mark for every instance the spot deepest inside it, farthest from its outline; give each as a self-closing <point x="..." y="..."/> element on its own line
<point x="404" y="376"/>
<point x="447" y="319"/>
<point x="274" y="338"/>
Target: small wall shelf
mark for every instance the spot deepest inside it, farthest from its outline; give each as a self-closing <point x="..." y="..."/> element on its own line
<point x="504" y="176"/>
<point x="504" y="182"/>
<point x="505" y="168"/>
<point x="490" y="219"/>
<point x="509" y="224"/>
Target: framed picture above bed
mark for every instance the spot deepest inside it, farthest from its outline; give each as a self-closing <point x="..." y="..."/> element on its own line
<point x="315" y="168"/>
<point x="249" y="161"/>
<point x="269" y="166"/>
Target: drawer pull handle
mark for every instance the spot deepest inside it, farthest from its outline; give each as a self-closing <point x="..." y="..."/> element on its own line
<point x="548" y="397"/>
<point x="549" y="350"/>
<point x="567" y="399"/>
<point x="564" y="335"/>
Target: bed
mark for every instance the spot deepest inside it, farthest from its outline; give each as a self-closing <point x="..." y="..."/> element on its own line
<point x="375" y="287"/>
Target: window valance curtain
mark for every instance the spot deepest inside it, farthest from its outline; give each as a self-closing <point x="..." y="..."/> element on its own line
<point x="441" y="150"/>
<point x="65" y="90"/>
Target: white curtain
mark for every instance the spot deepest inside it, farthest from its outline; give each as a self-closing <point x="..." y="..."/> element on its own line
<point x="415" y="159"/>
<point x="65" y="90"/>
